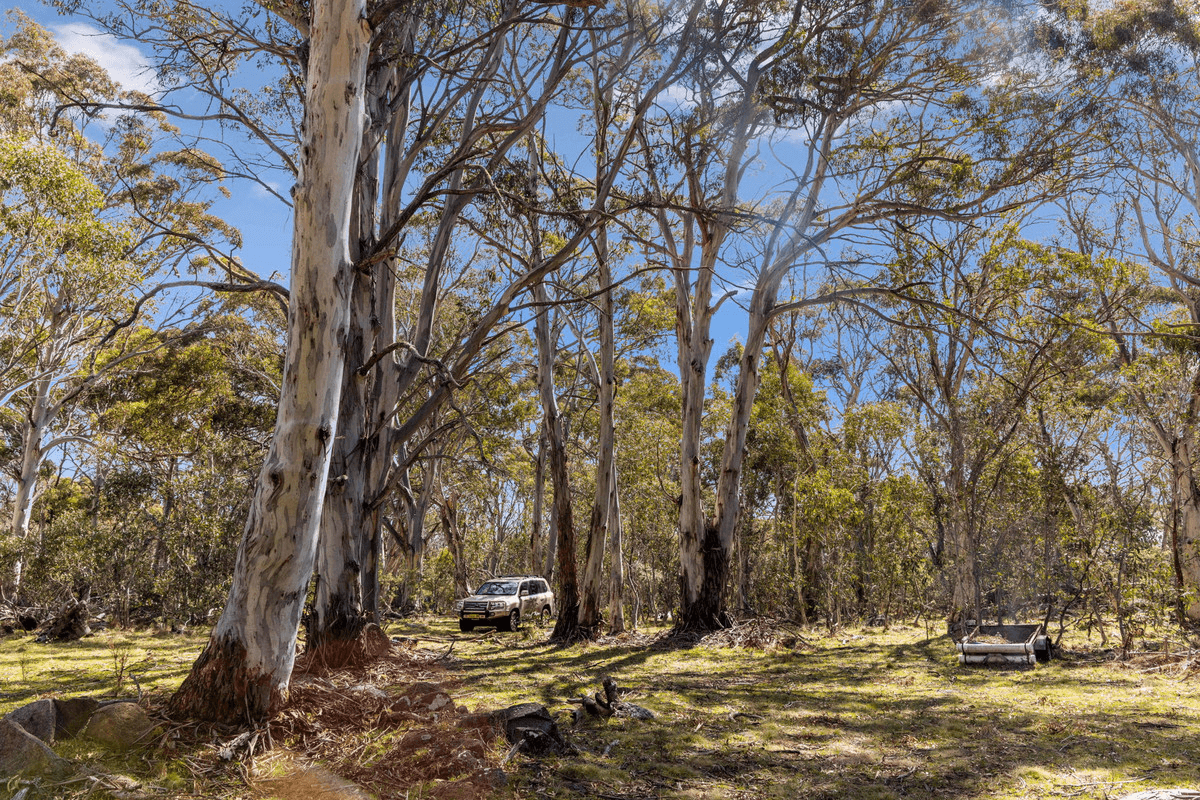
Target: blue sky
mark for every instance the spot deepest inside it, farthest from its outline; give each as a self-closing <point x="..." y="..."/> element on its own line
<point x="265" y="222"/>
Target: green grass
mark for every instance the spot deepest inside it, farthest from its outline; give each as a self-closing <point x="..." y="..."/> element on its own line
<point x="110" y="663"/>
<point x="868" y="714"/>
<point x="863" y="714"/>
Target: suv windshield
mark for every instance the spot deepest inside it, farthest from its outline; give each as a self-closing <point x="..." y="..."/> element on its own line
<point x="498" y="587"/>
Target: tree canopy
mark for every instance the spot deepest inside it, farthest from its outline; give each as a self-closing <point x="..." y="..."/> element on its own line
<point x="820" y="310"/>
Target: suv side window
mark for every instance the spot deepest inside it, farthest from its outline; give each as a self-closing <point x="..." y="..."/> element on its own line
<point x="525" y="587"/>
<point x="542" y="587"/>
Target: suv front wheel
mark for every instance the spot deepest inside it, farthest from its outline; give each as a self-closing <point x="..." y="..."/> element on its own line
<point x="512" y="623"/>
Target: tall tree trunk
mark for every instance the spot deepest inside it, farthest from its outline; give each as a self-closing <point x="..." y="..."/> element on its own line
<point x="598" y="528"/>
<point x="1187" y="539"/>
<point x="566" y="628"/>
<point x="32" y="454"/>
<point x="344" y="544"/>
<point x="964" y="547"/>
<point x="243" y="672"/>
<point x="616" y="567"/>
<point x="337" y="612"/>
<point x="448" y="510"/>
<point x="699" y="548"/>
<point x="703" y="605"/>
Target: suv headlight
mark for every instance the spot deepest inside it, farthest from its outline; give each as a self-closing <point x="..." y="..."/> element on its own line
<point x="496" y="604"/>
<point x="458" y="606"/>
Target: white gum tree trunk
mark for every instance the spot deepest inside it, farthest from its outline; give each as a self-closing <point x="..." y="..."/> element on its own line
<point x="601" y="519"/>
<point x="693" y="316"/>
<point x="344" y="542"/>
<point x="243" y="672"/>
<point x="1187" y="538"/>
<point x="32" y="454"/>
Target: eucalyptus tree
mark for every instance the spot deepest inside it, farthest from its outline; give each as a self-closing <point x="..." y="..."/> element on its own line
<point x="68" y="277"/>
<point x="1140" y="65"/>
<point x="985" y="333"/>
<point x="98" y="222"/>
<point x="505" y="71"/>
<point x="869" y="97"/>
<point x="244" y="669"/>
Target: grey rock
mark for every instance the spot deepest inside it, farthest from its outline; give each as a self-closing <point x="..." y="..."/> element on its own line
<point x="73" y="715"/>
<point x="121" y="726"/>
<point x="24" y="754"/>
<point x="633" y="712"/>
<point x="37" y="718"/>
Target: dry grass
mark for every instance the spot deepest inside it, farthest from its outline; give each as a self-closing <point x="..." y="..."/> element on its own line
<point x="864" y="714"/>
<point x="762" y="711"/>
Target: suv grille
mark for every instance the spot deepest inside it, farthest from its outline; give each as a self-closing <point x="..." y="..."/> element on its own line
<point x="474" y="605"/>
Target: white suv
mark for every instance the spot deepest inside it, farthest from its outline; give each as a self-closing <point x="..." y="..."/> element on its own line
<point x="505" y="602"/>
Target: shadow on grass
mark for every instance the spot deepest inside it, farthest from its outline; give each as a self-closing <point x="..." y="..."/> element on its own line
<point x="876" y="717"/>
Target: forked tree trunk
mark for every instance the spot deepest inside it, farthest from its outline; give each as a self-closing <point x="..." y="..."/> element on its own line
<point x="32" y="454"/>
<point x="566" y="627"/>
<point x="693" y="315"/>
<point x="243" y="672"/>
<point x="616" y="564"/>
<point x="345" y="540"/>
<point x="590" y="617"/>
<point x="728" y="505"/>
<point x="337" y="613"/>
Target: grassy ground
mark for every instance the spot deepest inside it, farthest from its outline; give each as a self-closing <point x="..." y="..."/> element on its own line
<point x="111" y="663"/>
<point x="864" y="714"/>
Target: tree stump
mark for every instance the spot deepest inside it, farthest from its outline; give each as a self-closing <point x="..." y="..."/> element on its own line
<point x="530" y="726"/>
<point x="70" y="624"/>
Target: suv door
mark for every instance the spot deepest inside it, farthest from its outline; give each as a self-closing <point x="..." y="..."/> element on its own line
<point x="526" y="600"/>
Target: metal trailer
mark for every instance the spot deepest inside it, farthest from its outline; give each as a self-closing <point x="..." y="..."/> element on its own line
<point x="1024" y="644"/>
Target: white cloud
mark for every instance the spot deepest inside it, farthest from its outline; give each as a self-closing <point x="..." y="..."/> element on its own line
<point x="123" y="62"/>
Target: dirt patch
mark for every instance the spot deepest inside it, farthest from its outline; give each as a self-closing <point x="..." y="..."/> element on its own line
<point x="390" y="725"/>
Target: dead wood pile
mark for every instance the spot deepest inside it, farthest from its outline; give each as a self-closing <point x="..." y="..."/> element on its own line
<point x="756" y="633"/>
<point x="70" y="624"/>
<point x="608" y="704"/>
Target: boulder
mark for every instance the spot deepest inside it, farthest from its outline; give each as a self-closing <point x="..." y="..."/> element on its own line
<point x="37" y="718"/>
<point x="23" y="754"/>
<point x="121" y="726"/>
<point x="72" y="715"/>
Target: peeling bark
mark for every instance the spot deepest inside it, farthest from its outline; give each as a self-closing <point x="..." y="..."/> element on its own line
<point x="244" y="670"/>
